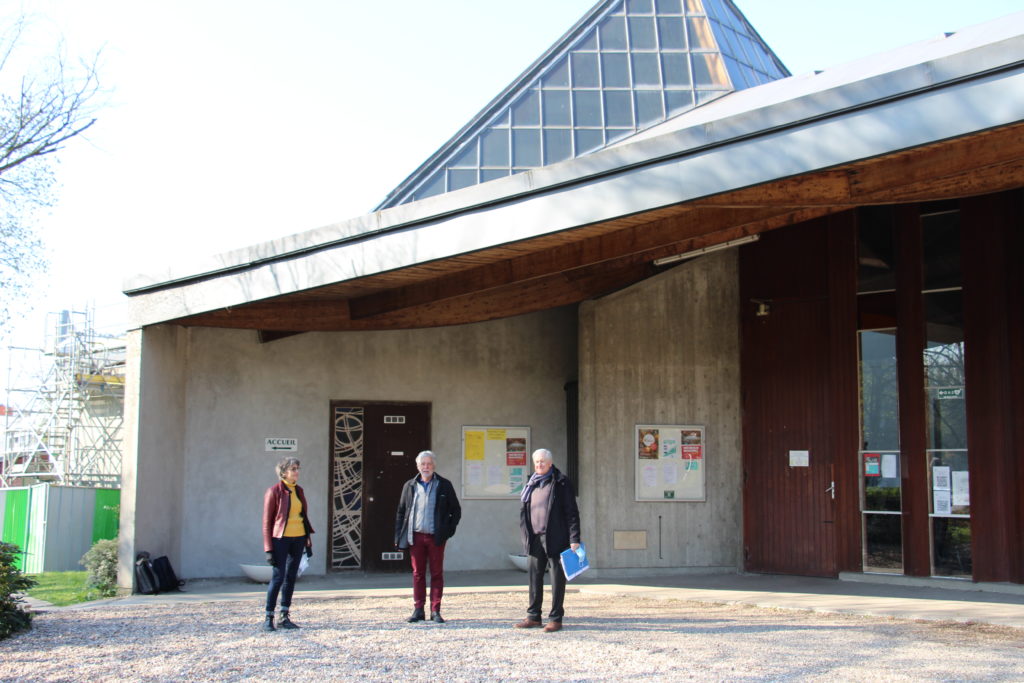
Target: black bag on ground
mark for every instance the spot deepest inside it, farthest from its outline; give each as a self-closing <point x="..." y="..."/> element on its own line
<point x="145" y="578"/>
<point x="166" y="579"/>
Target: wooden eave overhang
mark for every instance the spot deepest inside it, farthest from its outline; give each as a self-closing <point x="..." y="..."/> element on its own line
<point x="586" y="262"/>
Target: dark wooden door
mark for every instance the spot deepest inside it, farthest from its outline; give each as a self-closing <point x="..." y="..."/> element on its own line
<point x="789" y="507"/>
<point x="394" y="434"/>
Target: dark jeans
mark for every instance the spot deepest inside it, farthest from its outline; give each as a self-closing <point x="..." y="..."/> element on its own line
<point x="287" y="553"/>
<point x="539" y="560"/>
<point x="425" y="551"/>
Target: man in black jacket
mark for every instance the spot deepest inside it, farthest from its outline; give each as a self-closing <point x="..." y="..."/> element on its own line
<point x="550" y="523"/>
<point x="428" y="513"/>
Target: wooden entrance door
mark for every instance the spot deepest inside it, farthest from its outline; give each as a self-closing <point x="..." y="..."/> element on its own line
<point x="788" y="455"/>
<point x="375" y="447"/>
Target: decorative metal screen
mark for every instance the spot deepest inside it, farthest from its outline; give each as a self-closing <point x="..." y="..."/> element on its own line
<point x="347" y="501"/>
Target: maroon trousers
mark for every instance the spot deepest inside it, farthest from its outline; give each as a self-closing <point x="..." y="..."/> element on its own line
<point x="423" y="552"/>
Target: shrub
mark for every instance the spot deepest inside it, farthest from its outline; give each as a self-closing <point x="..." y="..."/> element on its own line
<point x="101" y="561"/>
<point x="14" y="616"/>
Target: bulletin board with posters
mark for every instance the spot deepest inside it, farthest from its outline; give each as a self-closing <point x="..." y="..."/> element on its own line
<point x="495" y="462"/>
<point x="670" y="463"/>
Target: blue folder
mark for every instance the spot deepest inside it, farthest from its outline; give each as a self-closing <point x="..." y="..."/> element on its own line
<point x="575" y="562"/>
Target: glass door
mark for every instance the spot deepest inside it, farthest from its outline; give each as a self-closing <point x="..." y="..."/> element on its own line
<point x="945" y="392"/>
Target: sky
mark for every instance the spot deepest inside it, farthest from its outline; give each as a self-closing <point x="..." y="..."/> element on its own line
<point x="231" y="122"/>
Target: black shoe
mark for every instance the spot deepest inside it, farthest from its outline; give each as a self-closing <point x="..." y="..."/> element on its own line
<point x="268" y="625"/>
<point x="436" y="616"/>
<point x="417" y="615"/>
<point x="285" y="622"/>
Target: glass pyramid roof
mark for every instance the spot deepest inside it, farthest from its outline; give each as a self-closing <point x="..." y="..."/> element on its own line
<point x="626" y="66"/>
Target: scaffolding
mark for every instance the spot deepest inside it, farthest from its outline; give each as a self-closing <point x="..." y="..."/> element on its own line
<point x="63" y="416"/>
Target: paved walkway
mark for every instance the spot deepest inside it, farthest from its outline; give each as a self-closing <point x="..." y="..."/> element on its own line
<point x="897" y="597"/>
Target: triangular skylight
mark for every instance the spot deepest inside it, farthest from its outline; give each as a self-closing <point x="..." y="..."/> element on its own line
<point x="626" y="66"/>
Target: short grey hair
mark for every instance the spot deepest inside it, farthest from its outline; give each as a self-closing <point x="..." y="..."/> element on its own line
<point x="426" y="454"/>
<point x="544" y="453"/>
<point x="284" y="465"/>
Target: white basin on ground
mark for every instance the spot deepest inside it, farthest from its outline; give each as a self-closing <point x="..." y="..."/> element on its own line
<point x="260" y="573"/>
<point x="519" y="561"/>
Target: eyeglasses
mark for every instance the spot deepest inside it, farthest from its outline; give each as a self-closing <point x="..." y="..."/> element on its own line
<point x="294" y="469"/>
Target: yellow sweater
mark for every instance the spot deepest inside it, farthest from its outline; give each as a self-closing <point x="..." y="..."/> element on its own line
<point x="295" y="527"/>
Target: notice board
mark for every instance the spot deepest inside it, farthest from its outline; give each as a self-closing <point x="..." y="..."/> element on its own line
<point x="495" y="461"/>
<point x="670" y="463"/>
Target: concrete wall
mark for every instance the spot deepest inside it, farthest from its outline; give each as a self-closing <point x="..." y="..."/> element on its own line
<point x="233" y="392"/>
<point x="152" y="466"/>
<point x="665" y="351"/>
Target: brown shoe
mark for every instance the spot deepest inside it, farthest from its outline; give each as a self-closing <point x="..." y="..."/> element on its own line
<point x="528" y="623"/>
<point x="553" y="626"/>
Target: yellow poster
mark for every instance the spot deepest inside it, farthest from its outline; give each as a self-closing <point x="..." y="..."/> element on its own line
<point x="496" y="434"/>
<point x="474" y="445"/>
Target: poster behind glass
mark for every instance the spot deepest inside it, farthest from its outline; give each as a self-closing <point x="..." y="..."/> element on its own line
<point x="670" y="463"/>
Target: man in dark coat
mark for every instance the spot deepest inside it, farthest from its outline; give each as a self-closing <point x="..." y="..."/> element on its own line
<point x="550" y="523"/>
<point x="428" y="513"/>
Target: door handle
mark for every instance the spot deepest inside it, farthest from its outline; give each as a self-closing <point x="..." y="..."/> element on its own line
<point x="831" y="489"/>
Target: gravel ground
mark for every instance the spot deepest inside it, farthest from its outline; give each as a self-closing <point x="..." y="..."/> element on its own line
<point x="605" y="638"/>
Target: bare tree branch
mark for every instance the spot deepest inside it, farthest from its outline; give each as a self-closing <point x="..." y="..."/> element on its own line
<point x="40" y="112"/>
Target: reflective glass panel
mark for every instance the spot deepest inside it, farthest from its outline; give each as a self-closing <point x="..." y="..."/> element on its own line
<point x="613" y="33"/>
<point x="639" y="6"/>
<point x="949" y="482"/>
<point x="645" y="69"/>
<point x="493" y="174"/>
<point x="670" y="7"/>
<point x="694" y="7"/>
<point x="613" y="134"/>
<point x="618" y="108"/>
<point x="736" y="72"/>
<point x="951" y="547"/>
<point x="883" y="543"/>
<point x="526" y="147"/>
<point x="677" y="69"/>
<point x="557" y="145"/>
<point x="615" y="66"/>
<point x="876" y="254"/>
<point x="588" y="140"/>
<point x="648" y="106"/>
<point x="558" y="77"/>
<point x="432" y="187"/>
<point x="709" y="70"/>
<point x="556" y="107"/>
<point x="586" y="106"/>
<point x="526" y="112"/>
<point x="466" y="157"/>
<point x="700" y="33"/>
<point x="881" y="473"/>
<point x="584" y="70"/>
<point x="941" y="235"/>
<point x="458" y="179"/>
<point x="641" y="33"/>
<point x="677" y="101"/>
<point x="494" y="147"/>
<point x="671" y="33"/>
<point x="879" y="423"/>
<point x="590" y="42"/>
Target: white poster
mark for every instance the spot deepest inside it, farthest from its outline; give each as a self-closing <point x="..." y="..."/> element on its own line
<point x="890" y="465"/>
<point x="940" y="478"/>
<point x="942" y="503"/>
<point x="961" y="489"/>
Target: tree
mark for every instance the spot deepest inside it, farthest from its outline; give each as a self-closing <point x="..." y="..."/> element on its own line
<point x="42" y="108"/>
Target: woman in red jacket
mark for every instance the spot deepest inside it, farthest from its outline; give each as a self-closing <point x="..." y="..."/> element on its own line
<point x="286" y="531"/>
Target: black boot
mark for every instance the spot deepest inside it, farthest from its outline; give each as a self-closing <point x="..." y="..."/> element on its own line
<point x="417" y="615"/>
<point x="268" y="625"/>
<point x="285" y="622"/>
<point x="436" y="617"/>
